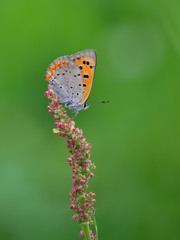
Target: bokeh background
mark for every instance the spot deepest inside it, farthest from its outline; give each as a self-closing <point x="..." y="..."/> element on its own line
<point x="135" y="138"/>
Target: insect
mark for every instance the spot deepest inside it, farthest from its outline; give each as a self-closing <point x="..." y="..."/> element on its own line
<point x="71" y="78"/>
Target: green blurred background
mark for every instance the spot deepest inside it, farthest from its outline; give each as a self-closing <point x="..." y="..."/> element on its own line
<point x="135" y="138"/>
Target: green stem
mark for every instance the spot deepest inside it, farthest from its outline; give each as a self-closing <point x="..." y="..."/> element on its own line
<point x="95" y="226"/>
<point x="86" y="230"/>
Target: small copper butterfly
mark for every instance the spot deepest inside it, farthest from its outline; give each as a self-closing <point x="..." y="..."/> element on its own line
<point x="71" y="78"/>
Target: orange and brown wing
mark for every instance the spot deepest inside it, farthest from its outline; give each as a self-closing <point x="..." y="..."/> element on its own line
<point x="87" y="67"/>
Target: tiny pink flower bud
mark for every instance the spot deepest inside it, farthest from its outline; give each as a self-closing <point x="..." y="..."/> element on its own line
<point x="74" y="170"/>
<point x="88" y="151"/>
<point x="87" y="204"/>
<point x="81" y="147"/>
<point x="82" y="181"/>
<point x="92" y="194"/>
<point x="56" y="104"/>
<point x="58" y="124"/>
<point x="82" y="138"/>
<point x="80" y="214"/>
<point x="80" y="188"/>
<point x="93" y="200"/>
<point x="86" y="165"/>
<point x="85" y="179"/>
<point x="50" y="111"/>
<point x="88" y="161"/>
<point x="74" y="177"/>
<point x="69" y="160"/>
<point x="89" y="145"/>
<point x="80" y="131"/>
<point x="72" y="199"/>
<point x="74" y="137"/>
<point x="76" y="156"/>
<point x="74" y="129"/>
<point x="85" y="215"/>
<point x="75" y="217"/>
<point x="91" y="175"/>
<point x="81" y="234"/>
<point x="78" y="152"/>
<point x="60" y="133"/>
<point x="56" y="118"/>
<point x="69" y="141"/>
<point x="72" y="206"/>
<point x="93" y="167"/>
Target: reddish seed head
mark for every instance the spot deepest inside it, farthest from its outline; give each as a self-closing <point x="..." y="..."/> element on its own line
<point x="81" y="166"/>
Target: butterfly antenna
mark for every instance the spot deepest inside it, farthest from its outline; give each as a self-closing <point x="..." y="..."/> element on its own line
<point x="100" y="101"/>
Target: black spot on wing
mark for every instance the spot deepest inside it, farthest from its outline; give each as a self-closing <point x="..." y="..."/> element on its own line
<point x="85" y="76"/>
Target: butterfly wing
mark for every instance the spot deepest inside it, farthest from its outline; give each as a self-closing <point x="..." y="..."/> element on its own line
<point x="86" y="62"/>
<point x="66" y="80"/>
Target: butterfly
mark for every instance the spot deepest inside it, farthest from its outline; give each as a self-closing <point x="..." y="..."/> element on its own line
<point x="71" y="78"/>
